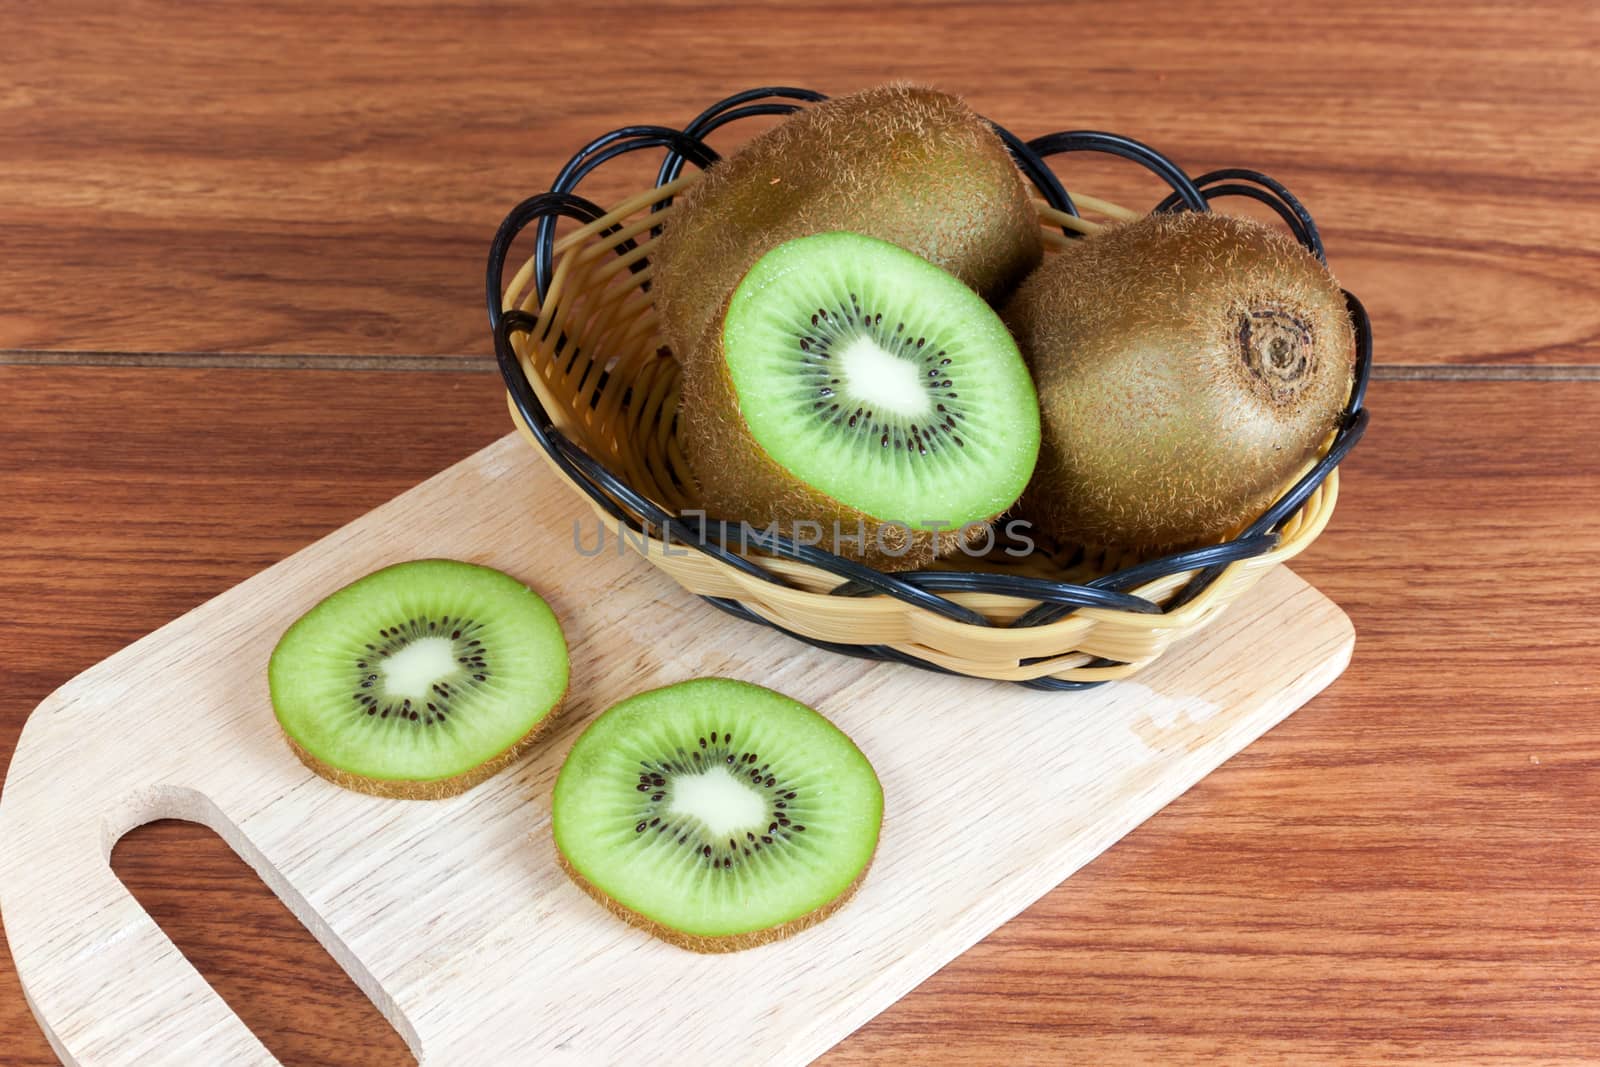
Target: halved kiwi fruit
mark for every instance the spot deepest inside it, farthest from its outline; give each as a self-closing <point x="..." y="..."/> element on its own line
<point x="1188" y="365"/>
<point x="859" y="388"/>
<point x="419" y="680"/>
<point x="905" y="164"/>
<point x="716" y="814"/>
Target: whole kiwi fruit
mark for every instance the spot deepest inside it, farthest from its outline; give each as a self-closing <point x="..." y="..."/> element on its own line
<point x="909" y="165"/>
<point x="1188" y="365"/>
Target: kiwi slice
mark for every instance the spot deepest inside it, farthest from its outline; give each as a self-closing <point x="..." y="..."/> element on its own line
<point x="716" y="814"/>
<point x="857" y="387"/>
<point x="903" y="163"/>
<point x="419" y="680"/>
<point x="1188" y="365"/>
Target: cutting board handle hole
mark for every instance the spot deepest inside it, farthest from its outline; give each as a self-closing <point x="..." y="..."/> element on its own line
<point x="250" y="947"/>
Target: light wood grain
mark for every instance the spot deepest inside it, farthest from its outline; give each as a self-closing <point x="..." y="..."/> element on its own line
<point x="464" y="931"/>
<point x="324" y="178"/>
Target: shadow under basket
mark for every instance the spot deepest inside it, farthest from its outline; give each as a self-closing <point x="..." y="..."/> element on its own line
<point x="590" y="384"/>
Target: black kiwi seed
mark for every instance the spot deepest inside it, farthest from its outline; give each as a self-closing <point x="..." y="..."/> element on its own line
<point x="467" y="653"/>
<point x="889" y="436"/>
<point x="654" y="780"/>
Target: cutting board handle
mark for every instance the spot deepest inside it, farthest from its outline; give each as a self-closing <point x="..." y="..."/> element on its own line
<point x="71" y="919"/>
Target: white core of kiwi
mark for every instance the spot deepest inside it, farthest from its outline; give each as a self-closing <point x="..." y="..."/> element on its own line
<point x="886" y="381"/>
<point x="723" y="804"/>
<point x="417" y="668"/>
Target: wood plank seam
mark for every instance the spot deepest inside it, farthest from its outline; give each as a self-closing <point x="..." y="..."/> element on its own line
<point x="481" y="363"/>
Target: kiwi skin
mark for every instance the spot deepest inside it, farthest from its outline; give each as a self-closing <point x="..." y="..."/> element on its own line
<point x="429" y="788"/>
<point x="739" y="481"/>
<point x="905" y="164"/>
<point x="703" y="943"/>
<point x="1188" y="366"/>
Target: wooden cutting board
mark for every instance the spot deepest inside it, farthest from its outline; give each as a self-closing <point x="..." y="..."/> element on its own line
<point x="453" y="916"/>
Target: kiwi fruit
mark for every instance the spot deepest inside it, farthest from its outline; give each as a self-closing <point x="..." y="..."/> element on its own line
<point x="419" y="680"/>
<point x="909" y="165"/>
<point x="1188" y="366"/>
<point x="856" y="386"/>
<point x="716" y="814"/>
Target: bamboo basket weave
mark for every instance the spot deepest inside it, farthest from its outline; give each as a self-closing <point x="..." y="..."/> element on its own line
<point x="590" y="385"/>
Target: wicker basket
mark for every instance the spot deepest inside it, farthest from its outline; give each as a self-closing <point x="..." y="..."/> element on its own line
<point x="590" y="385"/>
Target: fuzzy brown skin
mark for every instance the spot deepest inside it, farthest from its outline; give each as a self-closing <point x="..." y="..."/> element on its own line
<point x="907" y="165"/>
<point x="697" y="943"/>
<point x="433" y="788"/>
<point x="1187" y="365"/>
<point x="739" y="480"/>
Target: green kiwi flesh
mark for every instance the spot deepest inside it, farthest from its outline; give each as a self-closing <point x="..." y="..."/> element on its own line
<point x="1188" y="366"/>
<point x="905" y="164"/>
<point x="716" y="814"/>
<point x="419" y="680"/>
<point x="860" y="388"/>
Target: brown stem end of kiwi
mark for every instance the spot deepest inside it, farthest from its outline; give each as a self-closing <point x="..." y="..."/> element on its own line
<point x="1276" y="347"/>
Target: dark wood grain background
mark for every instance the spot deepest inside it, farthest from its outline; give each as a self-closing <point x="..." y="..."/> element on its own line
<point x="232" y="235"/>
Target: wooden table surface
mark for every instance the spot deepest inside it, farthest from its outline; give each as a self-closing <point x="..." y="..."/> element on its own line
<point x="237" y="239"/>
